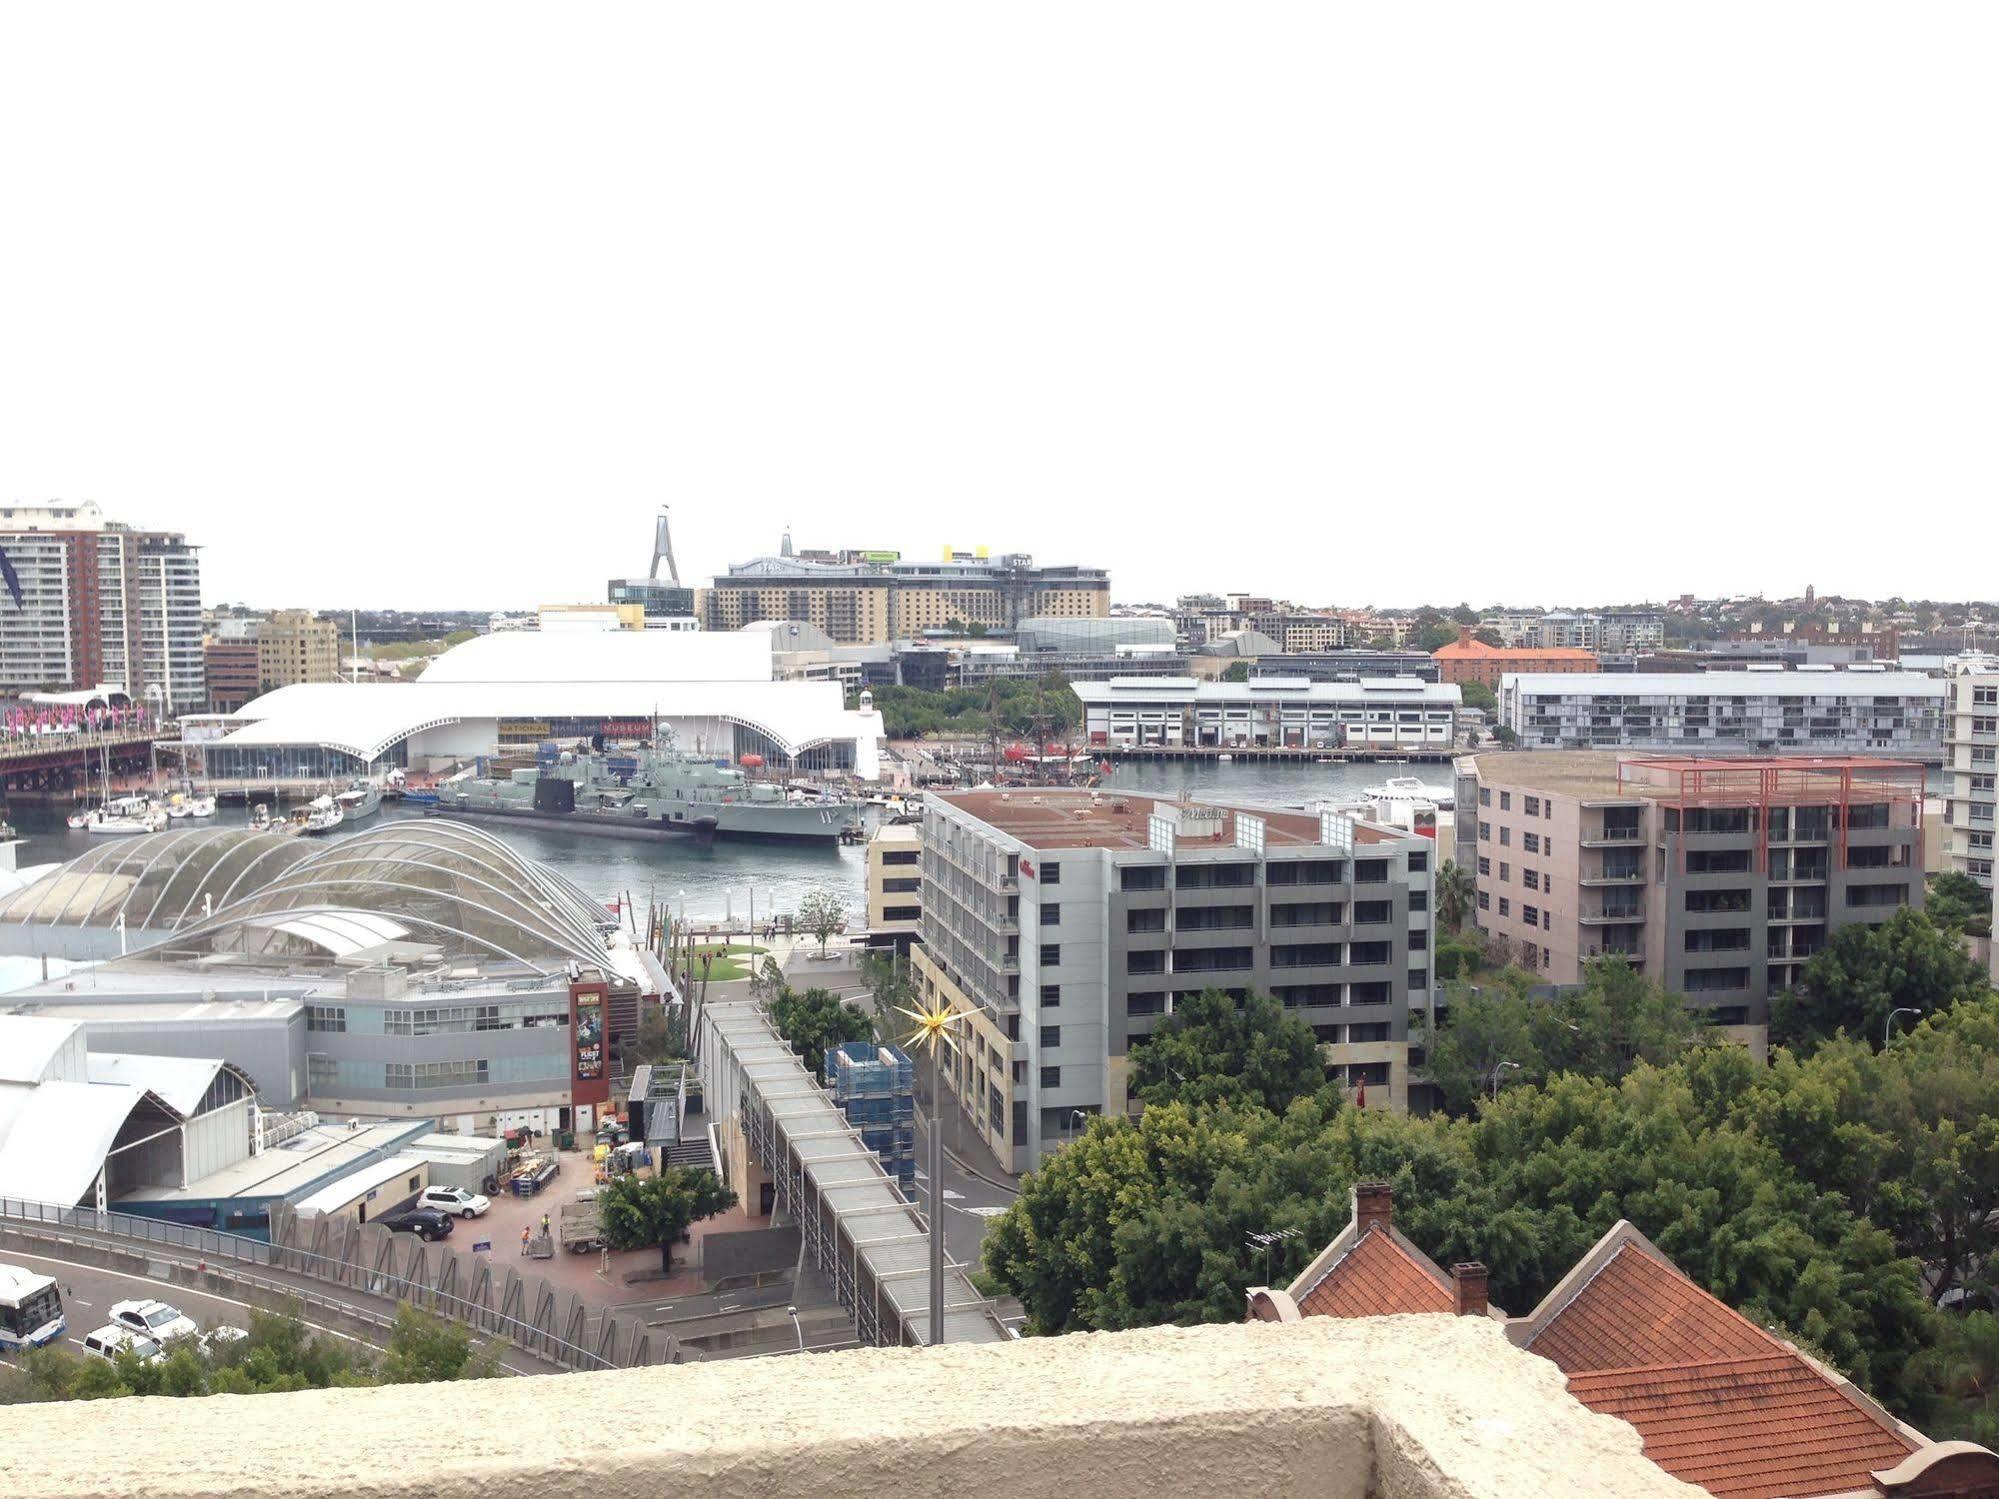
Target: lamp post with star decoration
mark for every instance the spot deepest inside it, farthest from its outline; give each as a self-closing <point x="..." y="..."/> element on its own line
<point x="931" y="1033"/>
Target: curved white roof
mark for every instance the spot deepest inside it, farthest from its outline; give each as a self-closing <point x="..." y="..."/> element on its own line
<point x="610" y="656"/>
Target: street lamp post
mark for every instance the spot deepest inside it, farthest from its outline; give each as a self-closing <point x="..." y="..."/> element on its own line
<point x="1888" y="1025"/>
<point x="1496" y="1072"/>
<point x="792" y="1312"/>
<point x="933" y="1033"/>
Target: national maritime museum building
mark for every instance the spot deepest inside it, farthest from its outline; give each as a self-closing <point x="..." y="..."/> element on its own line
<point x="715" y="692"/>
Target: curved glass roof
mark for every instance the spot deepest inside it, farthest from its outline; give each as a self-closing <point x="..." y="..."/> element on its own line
<point x="426" y="882"/>
<point x="158" y="881"/>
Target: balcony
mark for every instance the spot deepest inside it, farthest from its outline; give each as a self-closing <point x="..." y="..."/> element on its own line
<point x="1409" y="1407"/>
<point x="1614" y="916"/>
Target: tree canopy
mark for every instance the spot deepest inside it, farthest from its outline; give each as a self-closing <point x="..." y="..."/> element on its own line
<point x="1864" y="972"/>
<point x="814" y="1021"/>
<point x="1211" y="1050"/>
<point x="656" y="1212"/>
<point x="963" y="712"/>
<point x="1958" y="903"/>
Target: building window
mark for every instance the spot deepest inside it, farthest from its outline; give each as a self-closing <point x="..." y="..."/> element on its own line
<point x="1506" y="801"/>
<point x="1051" y="996"/>
<point x="1051" y="954"/>
<point x="1485" y="796"/>
<point x="1505" y="836"/>
<point x="1145" y="1004"/>
<point x="1506" y="872"/>
<point x="1419" y="862"/>
<point x="1051" y="1035"/>
<point x="1419" y="900"/>
<point x="1485" y="866"/>
<point x="1051" y="1077"/>
<point x="1485" y="832"/>
<point x="1051" y="874"/>
<point x="1531" y="805"/>
<point x="1419" y="939"/>
<point x="1531" y="878"/>
<point x="1484" y="900"/>
<point x="1051" y="913"/>
<point x="1419" y="980"/>
<point x="325" y="1018"/>
<point x="1505" y="906"/>
<point x="1530" y="914"/>
<point x="1530" y="842"/>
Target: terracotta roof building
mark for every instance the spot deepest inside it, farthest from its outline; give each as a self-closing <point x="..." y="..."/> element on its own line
<point x="1718" y="1401"/>
<point x="1468" y="659"/>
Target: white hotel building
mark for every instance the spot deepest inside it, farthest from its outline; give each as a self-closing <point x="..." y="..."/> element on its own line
<point x="1269" y="713"/>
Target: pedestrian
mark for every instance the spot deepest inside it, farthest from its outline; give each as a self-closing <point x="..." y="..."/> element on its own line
<point x="525" y="1236"/>
<point x="544" y="1225"/>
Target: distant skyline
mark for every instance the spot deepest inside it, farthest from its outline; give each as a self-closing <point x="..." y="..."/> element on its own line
<point x="433" y="307"/>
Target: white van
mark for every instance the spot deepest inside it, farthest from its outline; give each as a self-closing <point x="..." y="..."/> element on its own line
<point x="109" y="1341"/>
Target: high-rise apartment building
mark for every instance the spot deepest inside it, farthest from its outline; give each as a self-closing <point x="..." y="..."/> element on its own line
<point x="871" y="598"/>
<point x="102" y="604"/>
<point x="1972" y="761"/>
<point x="296" y="645"/>
<point x="1066" y="924"/>
<point x="1718" y="878"/>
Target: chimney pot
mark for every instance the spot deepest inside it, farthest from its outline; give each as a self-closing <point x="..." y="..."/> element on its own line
<point x="1373" y="1206"/>
<point x="1469" y="1279"/>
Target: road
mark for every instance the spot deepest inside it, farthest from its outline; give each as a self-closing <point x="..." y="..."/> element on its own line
<point x="90" y="1291"/>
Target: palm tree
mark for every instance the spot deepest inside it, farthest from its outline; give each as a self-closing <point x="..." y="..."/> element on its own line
<point x="1454" y="894"/>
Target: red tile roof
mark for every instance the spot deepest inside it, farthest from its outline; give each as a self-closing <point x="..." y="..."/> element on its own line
<point x="1378" y="1278"/>
<point x="1471" y="648"/>
<point x="1719" y="1401"/>
<point x="1747" y="1428"/>
<point x="1636" y="1311"/>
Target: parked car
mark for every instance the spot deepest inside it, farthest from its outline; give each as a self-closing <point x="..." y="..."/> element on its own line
<point x="155" y="1320"/>
<point x="111" y="1340"/>
<point x="456" y="1201"/>
<point x="426" y="1223"/>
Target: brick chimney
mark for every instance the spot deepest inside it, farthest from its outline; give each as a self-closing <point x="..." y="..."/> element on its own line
<point x="1469" y="1280"/>
<point x="1373" y="1206"/>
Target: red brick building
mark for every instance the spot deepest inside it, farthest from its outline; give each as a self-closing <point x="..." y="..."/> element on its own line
<point x="1468" y="659"/>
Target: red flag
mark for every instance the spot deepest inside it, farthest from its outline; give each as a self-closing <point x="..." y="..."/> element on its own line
<point x="1360" y="1099"/>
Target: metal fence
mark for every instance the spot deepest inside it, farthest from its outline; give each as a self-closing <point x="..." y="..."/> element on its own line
<point x="526" y="1311"/>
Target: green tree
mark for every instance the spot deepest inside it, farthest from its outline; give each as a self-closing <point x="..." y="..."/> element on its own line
<point x="1958" y="903"/>
<point x="1956" y="1380"/>
<point x="639" y="1214"/>
<point x="662" y="1034"/>
<point x="1210" y="1050"/>
<point x="1483" y="1034"/>
<point x="1236" y="671"/>
<point x="1864" y="972"/>
<point x="1506" y="737"/>
<point x="821" y="913"/>
<point x="1478" y="695"/>
<point x="1456" y="893"/>
<point x="424" y="1348"/>
<point x="816" y="1021"/>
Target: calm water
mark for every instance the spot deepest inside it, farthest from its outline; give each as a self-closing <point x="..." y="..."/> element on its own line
<point x="722" y="880"/>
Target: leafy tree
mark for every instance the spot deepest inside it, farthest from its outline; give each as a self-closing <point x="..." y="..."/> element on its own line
<point x="1236" y="671"/>
<point x="1478" y="695"/>
<point x="424" y="1348"/>
<point x="1956" y="1380"/>
<point x="639" y="1214"/>
<point x="1864" y="972"/>
<point x="821" y="913"/>
<point x="1958" y="903"/>
<point x="1616" y="1019"/>
<point x="1456" y="893"/>
<point x="1505" y="735"/>
<point x="1491" y="638"/>
<point x="814" y="1022"/>
<point x="1211" y="1050"/>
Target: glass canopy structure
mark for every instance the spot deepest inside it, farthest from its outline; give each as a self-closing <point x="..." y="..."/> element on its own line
<point x="405" y="888"/>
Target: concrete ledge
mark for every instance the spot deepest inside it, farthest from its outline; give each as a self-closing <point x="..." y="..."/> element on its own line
<point x="1387" y="1408"/>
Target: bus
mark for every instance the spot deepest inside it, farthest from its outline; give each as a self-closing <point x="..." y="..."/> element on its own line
<point x="30" y="1309"/>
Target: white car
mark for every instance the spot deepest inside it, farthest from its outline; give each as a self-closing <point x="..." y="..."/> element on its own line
<point x="155" y="1320"/>
<point x="221" y="1335"/>
<point x="454" y="1200"/>
<point x="111" y="1340"/>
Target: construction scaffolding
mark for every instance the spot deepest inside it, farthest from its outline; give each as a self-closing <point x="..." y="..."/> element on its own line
<point x="871" y="1244"/>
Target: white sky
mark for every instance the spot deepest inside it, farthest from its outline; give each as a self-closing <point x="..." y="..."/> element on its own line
<point x="431" y="305"/>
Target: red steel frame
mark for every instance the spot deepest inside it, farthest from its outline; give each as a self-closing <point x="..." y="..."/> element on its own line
<point x="1836" y="782"/>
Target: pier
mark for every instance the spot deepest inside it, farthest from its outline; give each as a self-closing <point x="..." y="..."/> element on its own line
<point x="1384" y="754"/>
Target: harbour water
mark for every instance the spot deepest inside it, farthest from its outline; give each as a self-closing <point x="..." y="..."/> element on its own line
<point x="731" y="879"/>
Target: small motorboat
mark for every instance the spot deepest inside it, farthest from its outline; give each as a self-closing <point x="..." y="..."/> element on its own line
<point x="320" y="815"/>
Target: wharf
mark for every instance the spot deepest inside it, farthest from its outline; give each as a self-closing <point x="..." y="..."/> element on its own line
<point x="1291" y="754"/>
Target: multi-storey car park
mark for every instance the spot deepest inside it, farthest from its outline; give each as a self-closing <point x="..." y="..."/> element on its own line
<point x="1066" y="924"/>
<point x="1718" y="877"/>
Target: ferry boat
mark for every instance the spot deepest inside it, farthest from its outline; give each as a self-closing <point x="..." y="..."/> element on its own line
<point x="651" y="792"/>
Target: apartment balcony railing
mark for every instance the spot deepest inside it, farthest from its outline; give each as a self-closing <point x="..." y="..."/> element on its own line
<point x="1613" y="916"/>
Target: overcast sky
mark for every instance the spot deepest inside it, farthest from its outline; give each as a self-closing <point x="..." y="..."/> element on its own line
<point x="432" y="305"/>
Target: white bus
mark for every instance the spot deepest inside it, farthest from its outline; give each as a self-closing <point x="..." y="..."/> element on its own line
<point x="30" y="1309"/>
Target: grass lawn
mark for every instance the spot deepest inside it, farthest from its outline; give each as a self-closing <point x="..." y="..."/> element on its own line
<point x="733" y="960"/>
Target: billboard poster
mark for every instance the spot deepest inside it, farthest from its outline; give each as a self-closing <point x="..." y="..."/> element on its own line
<point x="533" y="730"/>
<point x="587" y="1029"/>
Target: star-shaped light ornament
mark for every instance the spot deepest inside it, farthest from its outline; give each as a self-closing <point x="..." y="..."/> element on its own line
<point x="932" y="1028"/>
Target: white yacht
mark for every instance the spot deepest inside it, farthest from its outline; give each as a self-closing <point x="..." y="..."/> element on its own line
<point x="123" y="815"/>
<point x="320" y="815"/>
<point x="362" y="799"/>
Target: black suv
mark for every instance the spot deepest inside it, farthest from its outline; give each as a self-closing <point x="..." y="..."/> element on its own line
<point x="426" y="1223"/>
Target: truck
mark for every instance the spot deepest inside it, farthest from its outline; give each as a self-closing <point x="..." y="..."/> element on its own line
<point x="580" y="1230"/>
